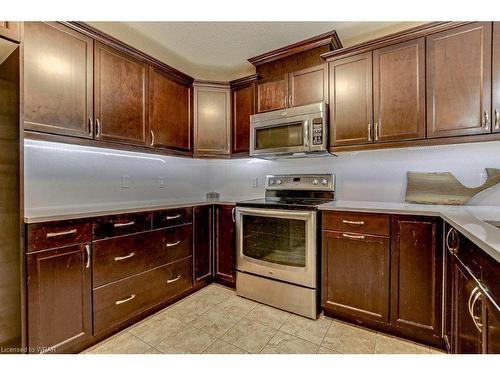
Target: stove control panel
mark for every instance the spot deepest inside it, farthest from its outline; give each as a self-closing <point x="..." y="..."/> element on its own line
<point x="300" y="182"/>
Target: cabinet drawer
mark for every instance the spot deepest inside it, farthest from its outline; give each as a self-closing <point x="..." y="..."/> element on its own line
<point x="178" y="243"/>
<point x="119" y="257"/>
<point x="168" y="218"/>
<point x="118" y="225"/>
<point x="117" y="302"/>
<point x="58" y="234"/>
<point x="354" y="222"/>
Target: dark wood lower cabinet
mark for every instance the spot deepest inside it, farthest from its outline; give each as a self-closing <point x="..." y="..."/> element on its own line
<point x="59" y="299"/>
<point x="416" y="277"/>
<point x="356" y="276"/>
<point x="491" y="324"/>
<point x="202" y="245"/>
<point x="225" y="245"/>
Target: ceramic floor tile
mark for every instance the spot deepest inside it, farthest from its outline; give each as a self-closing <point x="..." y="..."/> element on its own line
<point x="348" y="339"/>
<point x="308" y="329"/>
<point x="155" y="330"/>
<point x="152" y="351"/>
<point x="235" y="307"/>
<point x="217" y="293"/>
<point x="122" y="343"/>
<point x="222" y="347"/>
<point x="191" y="308"/>
<point x="189" y="340"/>
<point x="323" y="350"/>
<point x="269" y="316"/>
<point x="249" y="335"/>
<point x="391" y="345"/>
<point x="215" y="322"/>
<point x="283" y="343"/>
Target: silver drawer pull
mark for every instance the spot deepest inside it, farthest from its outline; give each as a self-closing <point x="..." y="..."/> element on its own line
<point x="87" y="250"/>
<point x="170" y="244"/>
<point x="353" y="237"/>
<point x="353" y="222"/>
<point x="125" y="300"/>
<point x="174" y="217"/>
<point x="124" y="257"/>
<point x="174" y="280"/>
<point x="120" y="225"/>
<point x="58" y="234"/>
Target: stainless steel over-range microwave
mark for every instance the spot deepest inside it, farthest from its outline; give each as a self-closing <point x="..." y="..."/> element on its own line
<point x="291" y="132"/>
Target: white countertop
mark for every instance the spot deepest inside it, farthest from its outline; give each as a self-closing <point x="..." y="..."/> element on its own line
<point x="469" y="220"/>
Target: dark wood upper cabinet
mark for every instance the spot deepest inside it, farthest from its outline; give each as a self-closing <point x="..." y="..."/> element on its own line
<point x="416" y="277"/>
<point x="459" y="81"/>
<point x="496" y="78"/>
<point x="58" y="80"/>
<point x="399" y="91"/>
<point x="351" y="100"/>
<point x="308" y="86"/>
<point x="355" y="276"/>
<point x="60" y="298"/>
<point x="225" y="245"/>
<point x="272" y="93"/>
<point x="491" y="327"/>
<point x="203" y="239"/>
<point x="121" y="96"/>
<point x="169" y="112"/>
<point x="10" y="30"/>
<point x="243" y="106"/>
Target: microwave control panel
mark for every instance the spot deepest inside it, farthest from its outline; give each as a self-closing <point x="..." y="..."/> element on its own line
<point x="317" y="130"/>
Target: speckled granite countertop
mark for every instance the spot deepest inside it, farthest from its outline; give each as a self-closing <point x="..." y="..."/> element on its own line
<point x="469" y="220"/>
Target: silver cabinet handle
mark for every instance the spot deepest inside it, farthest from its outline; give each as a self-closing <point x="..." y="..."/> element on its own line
<point x="121" y="225"/>
<point x="353" y="237"/>
<point x="233" y="214"/>
<point x="471" y="308"/>
<point x="119" y="302"/>
<point x="448" y="246"/>
<point x="353" y="222"/>
<point x="170" y="244"/>
<point x="59" y="234"/>
<point x="152" y="138"/>
<point x="174" y="280"/>
<point x="174" y="217"/>
<point x="90" y="126"/>
<point x="369" y="132"/>
<point x="117" y="259"/>
<point x="497" y="119"/>
<point x="87" y="250"/>
<point x="375" y="130"/>
<point x="486" y="119"/>
<point x="97" y="128"/>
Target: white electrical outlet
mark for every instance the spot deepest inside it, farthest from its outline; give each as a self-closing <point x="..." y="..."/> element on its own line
<point x="125" y="181"/>
<point x="161" y="182"/>
<point x="255" y="182"/>
<point x="484" y="176"/>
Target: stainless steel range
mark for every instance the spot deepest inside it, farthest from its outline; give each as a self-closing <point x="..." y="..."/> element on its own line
<point x="277" y="242"/>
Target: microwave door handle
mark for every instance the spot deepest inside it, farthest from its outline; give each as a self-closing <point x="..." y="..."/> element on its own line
<point x="306" y="133"/>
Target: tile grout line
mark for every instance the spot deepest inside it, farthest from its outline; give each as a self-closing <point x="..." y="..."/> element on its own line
<point x="324" y="335"/>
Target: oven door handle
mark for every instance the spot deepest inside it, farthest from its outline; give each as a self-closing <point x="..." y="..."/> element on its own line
<point x="271" y="212"/>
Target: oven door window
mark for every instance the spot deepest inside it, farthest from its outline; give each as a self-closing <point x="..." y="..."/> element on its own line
<point x="275" y="240"/>
<point x="280" y="136"/>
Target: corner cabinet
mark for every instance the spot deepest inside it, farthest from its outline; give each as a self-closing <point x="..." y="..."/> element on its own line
<point x="212" y="119"/>
<point x="58" y="80"/>
<point x="202" y="245"/>
<point x="243" y="106"/>
<point x="225" y="245"/>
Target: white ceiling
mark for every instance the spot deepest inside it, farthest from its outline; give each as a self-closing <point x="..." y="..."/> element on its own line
<point x="219" y="50"/>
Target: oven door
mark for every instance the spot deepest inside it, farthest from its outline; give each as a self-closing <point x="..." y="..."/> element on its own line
<point x="278" y="244"/>
<point x="282" y="136"/>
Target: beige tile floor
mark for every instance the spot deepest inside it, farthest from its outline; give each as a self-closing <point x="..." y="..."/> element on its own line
<point x="215" y="320"/>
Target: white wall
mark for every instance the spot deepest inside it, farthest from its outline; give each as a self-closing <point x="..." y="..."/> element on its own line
<point x="59" y="175"/>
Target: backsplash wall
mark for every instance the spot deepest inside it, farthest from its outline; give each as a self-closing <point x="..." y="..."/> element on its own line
<point x="71" y="176"/>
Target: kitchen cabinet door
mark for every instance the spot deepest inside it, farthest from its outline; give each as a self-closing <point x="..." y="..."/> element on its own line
<point x="169" y="112"/>
<point x="466" y="315"/>
<point x="351" y="100"/>
<point x="121" y="95"/>
<point x="496" y="77"/>
<point x="58" y="80"/>
<point x="459" y="81"/>
<point x="203" y="239"/>
<point x="491" y="327"/>
<point x="225" y="245"/>
<point x="272" y="94"/>
<point x="60" y="298"/>
<point x="308" y="86"/>
<point x="10" y="30"/>
<point x="399" y="91"/>
<point x="355" y="279"/>
<point x="243" y="106"/>
<point x="416" y="278"/>
<point x="212" y="120"/>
